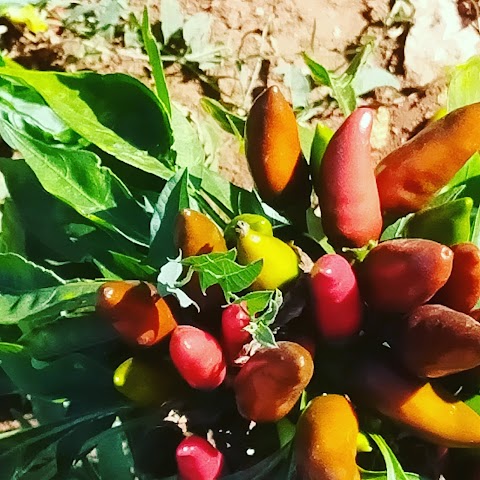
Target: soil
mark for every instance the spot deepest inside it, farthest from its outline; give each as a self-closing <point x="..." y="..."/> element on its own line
<point x="261" y="35"/>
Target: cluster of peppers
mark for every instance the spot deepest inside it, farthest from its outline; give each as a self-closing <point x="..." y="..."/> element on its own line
<point x="401" y="318"/>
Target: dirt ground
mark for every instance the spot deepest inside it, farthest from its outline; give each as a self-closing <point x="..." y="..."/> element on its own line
<point x="257" y="37"/>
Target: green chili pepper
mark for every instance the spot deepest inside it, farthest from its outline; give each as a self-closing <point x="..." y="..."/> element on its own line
<point x="257" y="223"/>
<point x="322" y="137"/>
<point x="447" y="224"/>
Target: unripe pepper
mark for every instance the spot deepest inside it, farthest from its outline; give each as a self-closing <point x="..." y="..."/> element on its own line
<point x="347" y="193"/>
<point x="280" y="262"/>
<point x="271" y="382"/>
<point x="234" y="336"/>
<point x="336" y="298"/>
<point x="435" y="341"/>
<point x="326" y="440"/>
<point x="402" y="274"/>
<point x="136" y="310"/>
<point x="197" y="459"/>
<point x="321" y="138"/>
<point x="448" y="223"/>
<point x="145" y="384"/>
<point x="409" y="177"/>
<point x="438" y="417"/>
<point x="257" y="223"/>
<point x="462" y="290"/>
<point x="273" y="152"/>
<point x="198" y="357"/>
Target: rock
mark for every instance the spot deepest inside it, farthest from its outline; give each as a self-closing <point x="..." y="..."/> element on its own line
<point x="437" y="40"/>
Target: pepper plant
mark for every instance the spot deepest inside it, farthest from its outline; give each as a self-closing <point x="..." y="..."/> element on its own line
<point x="160" y="322"/>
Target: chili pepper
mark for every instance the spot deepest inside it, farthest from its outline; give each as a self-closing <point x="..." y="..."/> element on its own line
<point x="273" y="152"/>
<point x="448" y="223"/>
<point x="257" y="223"/>
<point x="280" y="262"/>
<point x="462" y="290"/>
<point x="195" y="234"/>
<point x="435" y="341"/>
<point x="409" y="177"/>
<point x="326" y="440"/>
<point x="136" y="310"/>
<point x="437" y="416"/>
<point x="336" y="297"/>
<point x="198" y="459"/>
<point x="234" y="336"/>
<point x="402" y="274"/>
<point x="198" y="357"/>
<point x="321" y="138"/>
<point x="145" y="384"/>
<point x="347" y="193"/>
<point x="271" y="382"/>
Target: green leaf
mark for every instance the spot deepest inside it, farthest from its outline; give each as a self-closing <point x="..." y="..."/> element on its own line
<point x="187" y="144"/>
<point x="33" y="305"/>
<point x="174" y="197"/>
<point x="171" y="18"/>
<point x="341" y="85"/>
<point x="227" y="120"/>
<point x="369" y="78"/>
<point x="155" y="62"/>
<point x="315" y="231"/>
<point x="262" y="334"/>
<point x="12" y="237"/>
<point x="470" y="170"/>
<point x="221" y="268"/>
<point x="77" y="178"/>
<point x="18" y="275"/>
<point x="256" y="301"/>
<point x="286" y="431"/>
<point x="297" y="82"/>
<point x="464" y="88"/>
<point x="395" y="230"/>
<point x="475" y="237"/>
<point x="66" y="335"/>
<point x="394" y="469"/>
<point x="63" y="232"/>
<point x="115" y="112"/>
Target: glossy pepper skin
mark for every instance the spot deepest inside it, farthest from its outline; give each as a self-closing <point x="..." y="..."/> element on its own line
<point x="198" y="357"/>
<point x="139" y="314"/>
<point x="409" y="177"/>
<point x="197" y="459"/>
<point x="196" y="234"/>
<point x="273" y="152"/>
<point x="235" y="318"/>
<point x="439" y="418"/>
<point x="271" y="382"/>
<point x="145" y="384"/>
<point x="326" y="440"/>
<point x="462" y="290"/>
<point x="448" y="223"/>
<point x="280" y="262"/>
<point x="257" y="223"/>
<point x="336" y="298"/>
<point x="402" y="274"/>
<point x="347" y="193"/>
<point x="435" y="341"/>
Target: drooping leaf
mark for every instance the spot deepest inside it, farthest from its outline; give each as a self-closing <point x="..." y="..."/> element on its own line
<point x="115" y="112"/>
<point x="369" y="78"/>
<point x="12" y="236"/>
<point x="18" y="275"/>
<point x="38" y="300"/>
<point x="77" y="178"/>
